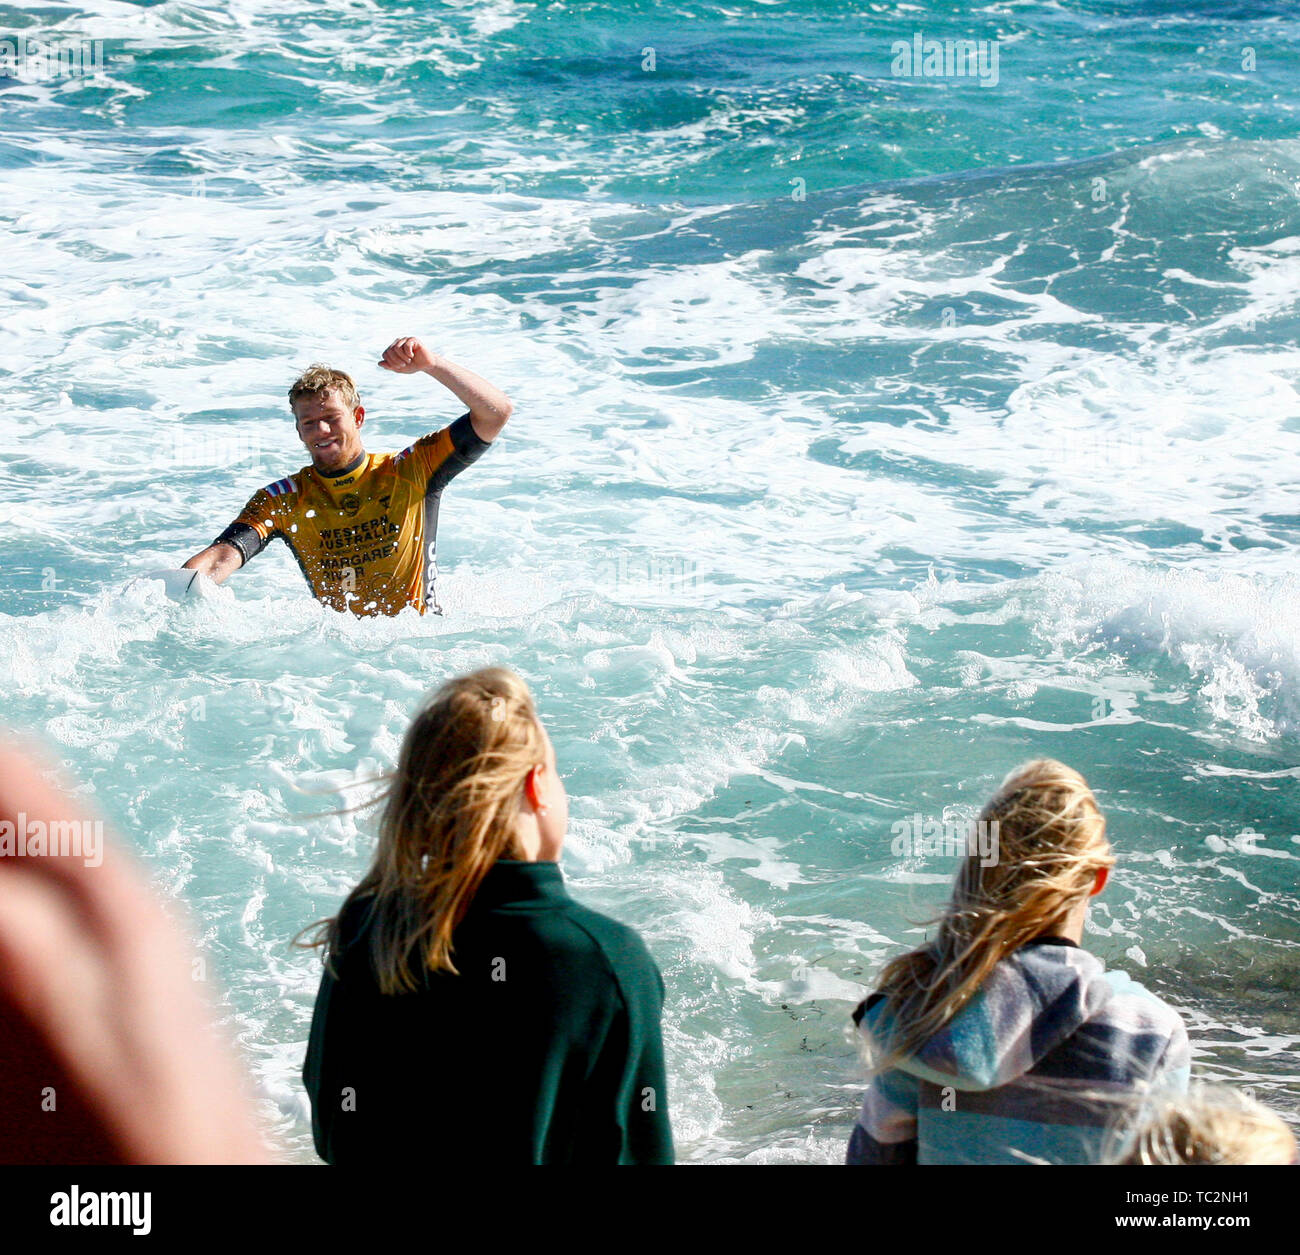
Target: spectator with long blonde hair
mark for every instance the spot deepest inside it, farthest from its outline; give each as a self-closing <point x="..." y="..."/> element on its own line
<point x="471" y="1011"/>
<point x="1213" y="1124"/>
<point x="1002" y="1040"/>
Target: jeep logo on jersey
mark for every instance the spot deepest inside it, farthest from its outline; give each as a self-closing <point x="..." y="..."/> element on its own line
<point x="350" y="504"/>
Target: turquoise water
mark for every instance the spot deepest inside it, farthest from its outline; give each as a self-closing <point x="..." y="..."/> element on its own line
<point x="873" y="433"/>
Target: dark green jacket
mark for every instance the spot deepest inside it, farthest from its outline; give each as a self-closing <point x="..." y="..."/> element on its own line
<point x="545" y="1048"/>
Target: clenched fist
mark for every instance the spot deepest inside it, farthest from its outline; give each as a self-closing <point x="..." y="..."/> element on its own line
<point x="407" y="356"/>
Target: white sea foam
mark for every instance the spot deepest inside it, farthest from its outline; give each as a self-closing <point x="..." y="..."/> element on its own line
<point x="765" y="609"/>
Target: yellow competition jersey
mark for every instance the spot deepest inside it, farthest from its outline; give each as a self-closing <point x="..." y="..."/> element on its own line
<point x="364" y="537"/>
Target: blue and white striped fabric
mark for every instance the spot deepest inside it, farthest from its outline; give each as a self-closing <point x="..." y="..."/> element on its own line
<point x="1034" y="1069"/>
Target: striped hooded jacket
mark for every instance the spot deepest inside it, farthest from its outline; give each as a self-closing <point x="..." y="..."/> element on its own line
<point x="1032" y="1069"/>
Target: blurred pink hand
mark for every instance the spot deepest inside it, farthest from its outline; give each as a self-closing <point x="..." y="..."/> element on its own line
<point x="101" y="974"/>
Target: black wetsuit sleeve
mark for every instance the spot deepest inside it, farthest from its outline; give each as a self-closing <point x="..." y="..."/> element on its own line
<point x="467" y="447"/>
<point x="243" y="538"/>
<point x="469" y="444"/>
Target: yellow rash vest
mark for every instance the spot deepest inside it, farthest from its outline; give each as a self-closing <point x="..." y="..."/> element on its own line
<point x="364" y="536"/>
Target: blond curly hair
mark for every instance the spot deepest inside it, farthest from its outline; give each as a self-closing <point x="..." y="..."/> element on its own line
<point x="319" y="379"/>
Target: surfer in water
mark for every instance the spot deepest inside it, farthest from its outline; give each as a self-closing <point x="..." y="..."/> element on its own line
<point x="362" y="525"/>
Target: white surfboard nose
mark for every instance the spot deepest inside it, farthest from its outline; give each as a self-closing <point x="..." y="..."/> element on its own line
<point x="179" y="583"/>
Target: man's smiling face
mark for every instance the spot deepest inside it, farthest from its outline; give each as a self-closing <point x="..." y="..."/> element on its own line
<point x="330" y="430"/>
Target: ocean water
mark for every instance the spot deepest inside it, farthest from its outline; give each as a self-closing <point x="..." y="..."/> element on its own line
<point x="874" y="432"/>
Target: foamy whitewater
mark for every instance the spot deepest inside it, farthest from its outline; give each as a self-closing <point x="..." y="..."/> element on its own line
<point x="872" y="435"/>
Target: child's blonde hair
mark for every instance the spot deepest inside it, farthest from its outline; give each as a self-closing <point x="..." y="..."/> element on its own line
<point x="1211" y="1124"/>
<point x="1051" y="845"/>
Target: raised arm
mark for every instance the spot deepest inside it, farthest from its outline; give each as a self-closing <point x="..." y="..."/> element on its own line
<point x="488" y="406"/>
